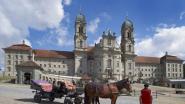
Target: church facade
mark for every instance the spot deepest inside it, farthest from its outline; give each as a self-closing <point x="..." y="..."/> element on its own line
<point x="104" y="60"/>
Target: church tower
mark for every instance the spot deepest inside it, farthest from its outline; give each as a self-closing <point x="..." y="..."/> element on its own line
<point x="80" y="45"/>
<point x="127" y="48"/>
<point x="80" y="33"/>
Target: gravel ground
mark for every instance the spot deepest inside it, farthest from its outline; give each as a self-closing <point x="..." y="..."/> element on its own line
<point x="22" y="94"/>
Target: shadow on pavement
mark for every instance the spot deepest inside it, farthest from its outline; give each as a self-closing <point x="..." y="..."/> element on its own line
<point x="42" y="102"/>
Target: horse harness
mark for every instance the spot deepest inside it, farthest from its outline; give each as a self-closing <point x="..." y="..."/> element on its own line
<point x="111" y="90"/>
<point x="98" y="88"/>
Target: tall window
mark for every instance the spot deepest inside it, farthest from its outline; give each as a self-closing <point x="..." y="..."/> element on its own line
<point x="81" y="63"/>
<point x="21" y="56"/>
<point x="80" y="29"/>
<point x="109" y="63"/>
<point x="168" y="69"/>
<point x="49" y="65"/>
<point x="16" y="56"/>
<point x="49" y="70"/>
<point x="9" y="62"/>
<point x="129" y="48"/>
<point x="129" y="66"/>
<point x="100" y="70"/>
<point x="81" y="43"/>
<point x="179" y="65"/>
<point x="16" y="62"/>
<point x="9" y="69"/>
<point x="128" y="34"/>
<point x="9" y="56"/>
<point x="117" y="63"/>
<point x="109" y="42"/>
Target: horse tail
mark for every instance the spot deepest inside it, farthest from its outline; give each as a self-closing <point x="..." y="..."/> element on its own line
<point x="86" y="99"/>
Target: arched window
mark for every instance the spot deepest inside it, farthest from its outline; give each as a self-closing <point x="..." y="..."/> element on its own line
<point x="129" y="48"/>
<point x="109" y="63"/>
<point x="109" y="42"/>
<point x="80" y="29"/>
<point x="81" y="43"/>
<point x="129" y="66"/>
<point x="128" y="35"/>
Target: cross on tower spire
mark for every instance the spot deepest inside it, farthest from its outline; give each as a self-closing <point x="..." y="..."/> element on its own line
<point x="80" y="11"/>
<point x="126" y="15"/>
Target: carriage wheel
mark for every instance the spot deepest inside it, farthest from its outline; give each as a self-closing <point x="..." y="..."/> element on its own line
<point x="78" y="100"/>
<point x="68" y="101"/>
<point x="51" y="99"/>
<point x="37" y="98"/>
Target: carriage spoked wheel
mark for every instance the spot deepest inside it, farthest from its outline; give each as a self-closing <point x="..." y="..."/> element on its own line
<point x="78" y="100"/>
<point x="37" y="98"/>
<point x="68" y="101"/>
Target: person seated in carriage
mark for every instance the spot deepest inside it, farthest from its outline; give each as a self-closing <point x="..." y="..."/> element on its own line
<point x="71" y="86"/>
<point x="65" y="86"/>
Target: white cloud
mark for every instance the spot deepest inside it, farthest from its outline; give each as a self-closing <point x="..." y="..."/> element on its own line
<point x="67" y="2"/>
<point x="118" y="41"/>
<point x="59" y="35"/>
<point x="62" y="39"/>
<point x="18" y="16"/>
<point x="171" y="39"/>
<point x="93" y="25"/>
<point x="96" y="41"/>
<point x="182" y="15"/>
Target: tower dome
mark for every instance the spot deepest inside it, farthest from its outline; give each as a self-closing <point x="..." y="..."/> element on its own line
<point x="127" y="23"/>
<point x="80" y="18"/>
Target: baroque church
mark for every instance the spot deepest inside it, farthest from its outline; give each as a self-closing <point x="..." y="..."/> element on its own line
<point x="104" y="60"/>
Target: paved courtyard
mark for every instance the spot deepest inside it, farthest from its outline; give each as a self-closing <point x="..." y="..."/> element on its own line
<point x="21" y="94"/>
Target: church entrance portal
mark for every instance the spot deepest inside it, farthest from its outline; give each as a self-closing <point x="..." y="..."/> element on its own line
<point x="27" y="78"/>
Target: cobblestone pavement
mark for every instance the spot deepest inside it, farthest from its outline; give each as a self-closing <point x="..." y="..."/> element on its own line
<point x="19" y="94"/>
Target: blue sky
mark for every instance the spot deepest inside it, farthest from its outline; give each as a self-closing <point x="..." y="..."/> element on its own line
<point x="145" y="14"/>
<point x="46" y="24"/>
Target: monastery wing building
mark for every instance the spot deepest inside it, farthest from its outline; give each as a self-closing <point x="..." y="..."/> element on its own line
<point x="106" y="59"/>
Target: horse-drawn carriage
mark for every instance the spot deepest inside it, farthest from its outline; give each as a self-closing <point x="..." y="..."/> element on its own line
<point x="45" y="90"/>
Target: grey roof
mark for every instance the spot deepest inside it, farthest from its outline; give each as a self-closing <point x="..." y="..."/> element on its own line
<point x="29" y="64"/>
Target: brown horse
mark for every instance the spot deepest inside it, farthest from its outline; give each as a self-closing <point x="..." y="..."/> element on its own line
<point x="111" y="90"/>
